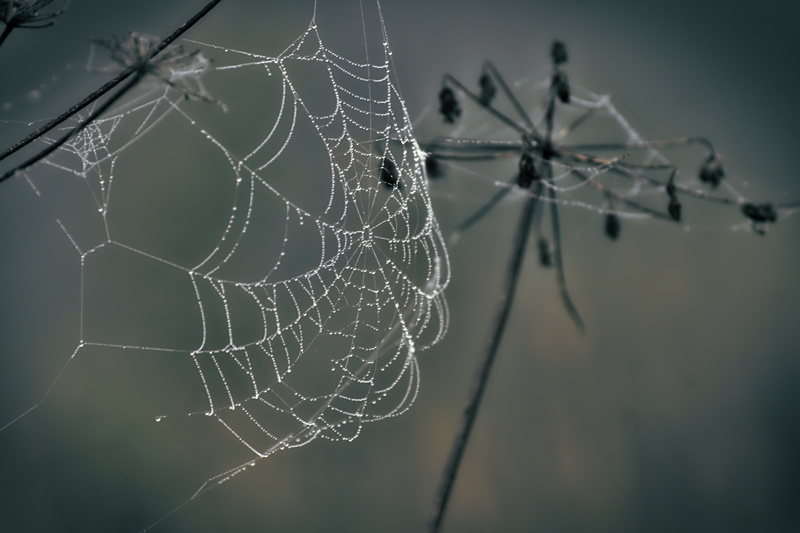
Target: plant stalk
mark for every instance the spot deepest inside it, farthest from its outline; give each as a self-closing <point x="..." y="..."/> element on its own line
<point x="485" y="367"/>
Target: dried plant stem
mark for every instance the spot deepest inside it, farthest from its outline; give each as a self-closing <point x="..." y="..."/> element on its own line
<point x="543" y="179"/>
<point x="485" y="368"/>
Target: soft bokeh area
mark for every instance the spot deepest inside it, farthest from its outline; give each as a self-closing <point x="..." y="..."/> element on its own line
<point x="678" y="410"/>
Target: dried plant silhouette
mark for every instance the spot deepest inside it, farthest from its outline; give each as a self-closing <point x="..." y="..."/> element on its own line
<point x="544" y="151"/>
<point x="25" y="14"/>
<point x="376" y="290"/>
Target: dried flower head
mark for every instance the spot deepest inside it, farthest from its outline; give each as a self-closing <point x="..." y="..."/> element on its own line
<point x="27" y="13"/>
<point x="176" y="67"/>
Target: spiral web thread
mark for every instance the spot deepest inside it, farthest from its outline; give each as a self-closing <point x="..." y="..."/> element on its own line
<point x="352" y="289"/>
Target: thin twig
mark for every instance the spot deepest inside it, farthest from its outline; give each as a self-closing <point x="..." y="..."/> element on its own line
<point x="482" y="211"/>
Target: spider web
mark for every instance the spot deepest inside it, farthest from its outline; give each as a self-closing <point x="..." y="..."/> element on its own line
<point x="312" y="294"/>
<point x="322" y="268"/>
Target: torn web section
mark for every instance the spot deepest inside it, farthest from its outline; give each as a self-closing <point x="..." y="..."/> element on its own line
<point x="276" y="260"/>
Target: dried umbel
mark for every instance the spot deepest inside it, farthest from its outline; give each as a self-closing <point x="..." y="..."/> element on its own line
<point x="174" y="66"/>
<point x="543" y="145"/>
<point x="624" y="173"/>
<point x="27" y="13"/>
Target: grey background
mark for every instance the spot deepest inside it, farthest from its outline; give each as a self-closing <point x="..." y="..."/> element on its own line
<point x="678" y="410"/>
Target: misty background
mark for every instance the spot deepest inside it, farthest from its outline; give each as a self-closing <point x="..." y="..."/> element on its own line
<point x="678" y="409"/>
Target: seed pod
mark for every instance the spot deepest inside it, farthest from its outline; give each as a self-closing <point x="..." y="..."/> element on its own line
<point x="674" y="209"/>
<point x="488" y="89"/>
<point x="612" y="226"/>
<point x="674" y="206"/>
<point x="759" y="212"/>
<point x="558" y="53"/>
<point x="527" y="170"/>
<point x="712" y="172"/>
<point x="448" y="105"/>
<point x="544" y="253"/>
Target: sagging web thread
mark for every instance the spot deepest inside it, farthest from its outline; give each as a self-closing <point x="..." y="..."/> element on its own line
<point x="353" y="288"/>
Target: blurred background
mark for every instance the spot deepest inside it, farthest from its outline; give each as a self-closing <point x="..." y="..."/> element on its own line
<point x="677" y="410"/>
